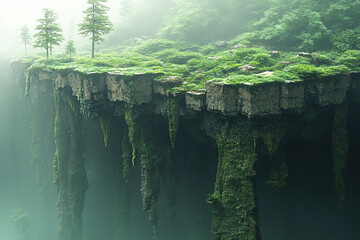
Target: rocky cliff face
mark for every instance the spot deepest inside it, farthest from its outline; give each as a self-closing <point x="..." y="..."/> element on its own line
<point x="252" y="100"/>
<point x="245" y="121"/>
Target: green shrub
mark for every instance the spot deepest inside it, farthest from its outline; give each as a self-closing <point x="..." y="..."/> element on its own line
<point x="320" y="59"/>
<point x="263" y="59"/>
<point x="348" y="39"/>
<point x="305" y="71"/>
<point x="154" y="45"/>
<point x="208" y="49"/>
<point x="174" y="56"/>
<point x="243" y="54"/>
<point x="351" y="59"/>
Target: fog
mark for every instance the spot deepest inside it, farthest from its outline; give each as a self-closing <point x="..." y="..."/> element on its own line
<point x="307" y="208"/>
<point x="17" y="13"/>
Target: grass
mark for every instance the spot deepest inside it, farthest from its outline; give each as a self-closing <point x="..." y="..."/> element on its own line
<point x="198" y="64"/>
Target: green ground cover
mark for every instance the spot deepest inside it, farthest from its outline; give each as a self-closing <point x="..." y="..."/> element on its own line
<point x="234" y="62"/>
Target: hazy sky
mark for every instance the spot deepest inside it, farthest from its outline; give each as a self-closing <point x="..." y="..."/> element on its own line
<point x="16" y="13"/>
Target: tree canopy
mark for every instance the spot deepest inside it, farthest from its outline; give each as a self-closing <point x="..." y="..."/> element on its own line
<point x="49" y="31"/>
<point x="25" y="37"/>
<point x="96" y="22"/>
<point x="70" y="48"/>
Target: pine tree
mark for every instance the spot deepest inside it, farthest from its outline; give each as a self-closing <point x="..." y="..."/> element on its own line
<point x="96" y="23"/>
<point x="70" y="48"/>
<point x="25" y="37"/>
<point x="49" y="31"/>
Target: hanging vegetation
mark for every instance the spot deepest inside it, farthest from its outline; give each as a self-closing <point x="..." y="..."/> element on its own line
<point x="272" y="138"/>
<point x="234" y="200"/>
<point x="70" y="175"/>
<point x="172" y="110"/>
<point x="105" y="120"/>
<point x="126" y="155"/>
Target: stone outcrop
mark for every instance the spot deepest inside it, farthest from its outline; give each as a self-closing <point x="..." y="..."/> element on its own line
<point x="251" y="100"/>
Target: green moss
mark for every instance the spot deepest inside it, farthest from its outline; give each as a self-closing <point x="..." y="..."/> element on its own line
<point x="105" y="121"/>
<point x="154" y="45"/>
<point x="145" y="140"/>
<point x="172" y="110"/>
<point x="340" y="150"/>
<point x="196" y="65"/>
<point x="27" y="84"/>
<point x="130" y="114"/>
<point x="69" y="171"/>
<point x="272" y="138"/>
<point x="126" y="156"/>
<point x="151" y="157"/>
<point x="234" y="200"/>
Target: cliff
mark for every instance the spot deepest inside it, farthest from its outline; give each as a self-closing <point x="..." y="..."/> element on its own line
<point x="245" y="121"/>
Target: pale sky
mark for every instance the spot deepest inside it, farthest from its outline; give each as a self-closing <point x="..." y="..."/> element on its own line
<point x="16" y="13"/>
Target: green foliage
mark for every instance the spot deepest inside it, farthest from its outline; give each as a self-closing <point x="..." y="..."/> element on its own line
<point x="174" y="56"/>
<point x="70" y="48"/>
<point x="126" y="156"/>
<point x="25" y="37"/>
<point x="234" y="199"/>
<point x="154" y="45"/>
<point x="22" y="223"/>
<point x="96" y="23"/>
<point x="301" y="28"/>
<point x="243" y="64"/>
<point x="49" y="31"/>
<point x="208" y="49"/>
<point x="172" y="110"/>
<point x="69" y="172"/>
<point x="310" y="71"/>
<point x="347" y="39"/>
<point x="343" y="14"/>
<point x="351" y="59"/>
<point x="189" y="22"/>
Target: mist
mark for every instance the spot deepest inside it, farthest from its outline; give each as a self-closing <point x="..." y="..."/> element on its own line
<point x="15" y="14"/>
<point x="181" y="120"/>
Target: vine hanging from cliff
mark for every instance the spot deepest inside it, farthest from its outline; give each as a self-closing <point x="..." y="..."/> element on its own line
<point x="105" y="121"/>
<point x="340" y="150"/>
<point x="172" y="110"/>
<point x="126" y="156"/>
<point x="69" y="171"/>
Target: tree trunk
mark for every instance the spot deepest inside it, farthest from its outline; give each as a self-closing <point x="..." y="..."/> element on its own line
<point x="47" y="53"/>
<point x="93" y="48"/>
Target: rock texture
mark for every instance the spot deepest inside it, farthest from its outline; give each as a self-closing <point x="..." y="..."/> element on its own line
<point x="251" y="100"/>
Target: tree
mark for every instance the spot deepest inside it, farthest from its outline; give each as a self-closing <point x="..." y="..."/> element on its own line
<point x="25" y="37"/>
<point x="96" y="23"/>
<point x="70" y="48"/>
<point x="49" y="31"/>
